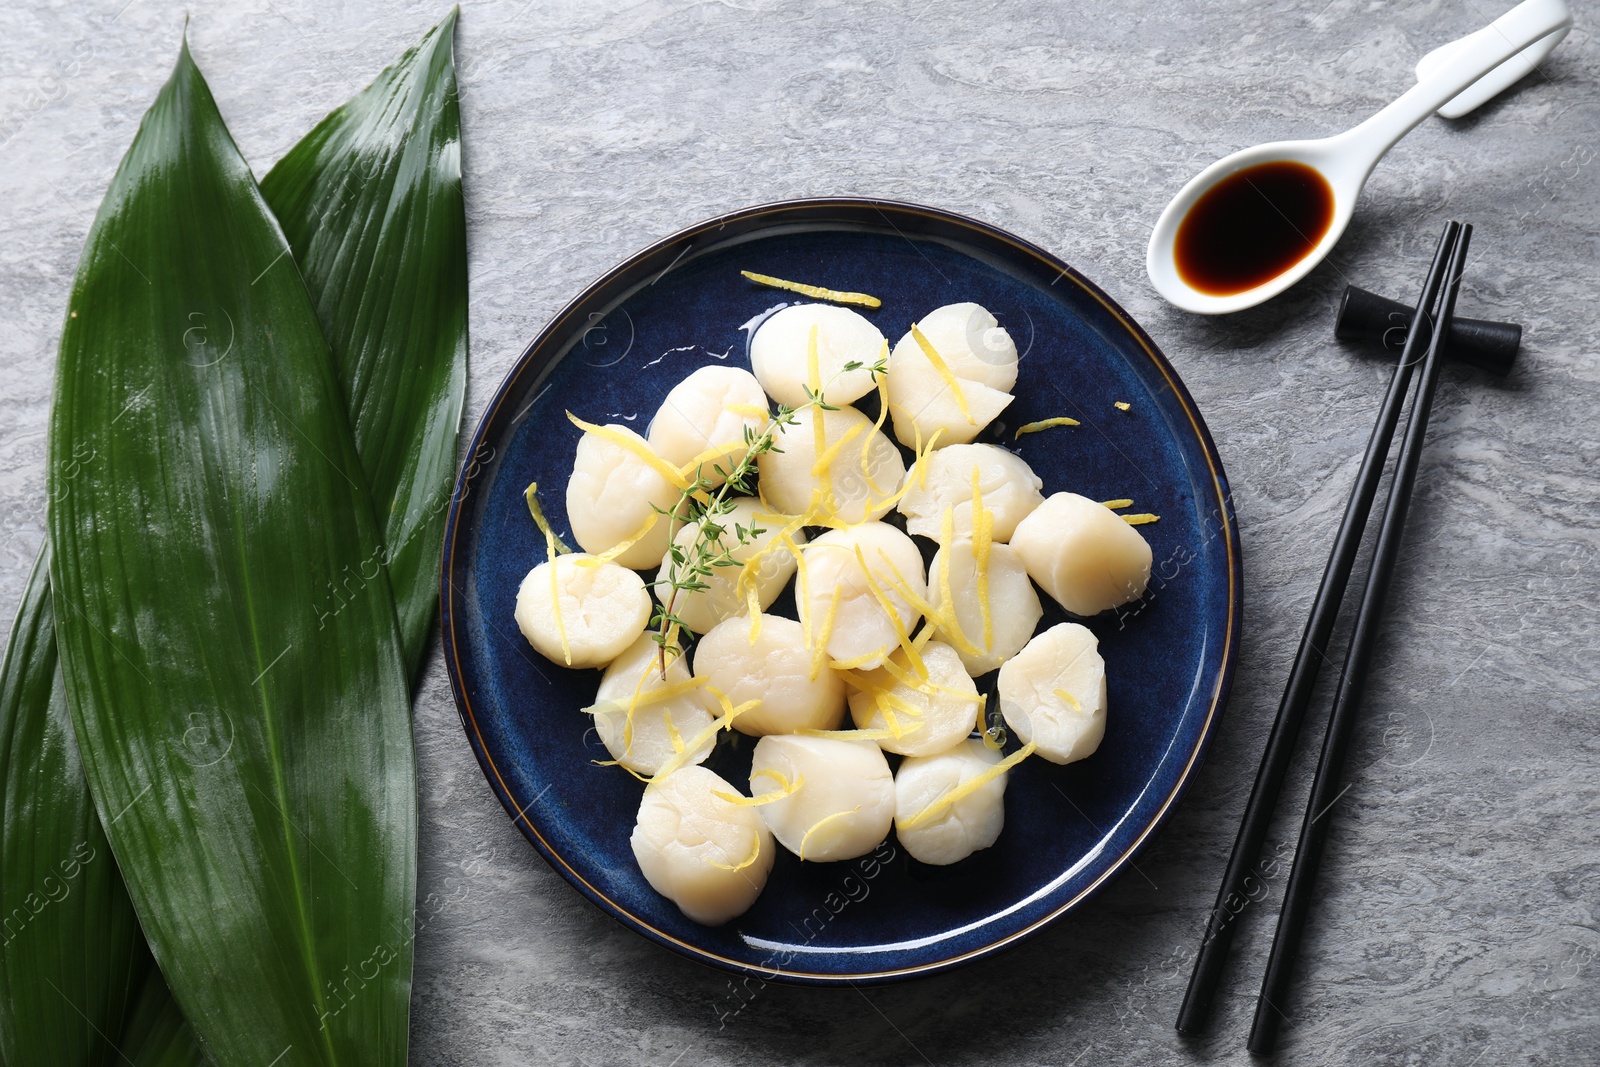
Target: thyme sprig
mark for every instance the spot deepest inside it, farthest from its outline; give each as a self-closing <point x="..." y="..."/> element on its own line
<point x="707" y="506"/>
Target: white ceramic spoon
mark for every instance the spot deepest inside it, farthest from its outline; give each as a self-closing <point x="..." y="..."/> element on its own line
<point x="1453" y="80"/>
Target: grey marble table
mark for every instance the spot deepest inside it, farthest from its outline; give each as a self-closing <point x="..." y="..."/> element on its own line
<point x="1456" y="921"/>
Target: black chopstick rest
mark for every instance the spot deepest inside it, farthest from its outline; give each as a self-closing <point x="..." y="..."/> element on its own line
<point x="1374" y="319"/>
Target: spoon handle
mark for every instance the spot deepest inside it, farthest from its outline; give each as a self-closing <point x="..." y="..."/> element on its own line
<point x="1475" y="57"/>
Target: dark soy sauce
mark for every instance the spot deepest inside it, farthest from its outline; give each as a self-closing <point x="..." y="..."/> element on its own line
<point x="1252" y="226"/>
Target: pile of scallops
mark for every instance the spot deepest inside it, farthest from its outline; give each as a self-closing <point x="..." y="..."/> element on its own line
<point x="877" y="635"/>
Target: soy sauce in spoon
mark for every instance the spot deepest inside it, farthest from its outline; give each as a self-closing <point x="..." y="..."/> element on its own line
<point x="1251" y="226"/>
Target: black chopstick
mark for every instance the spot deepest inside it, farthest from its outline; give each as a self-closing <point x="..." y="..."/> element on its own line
<point x="1358" y="661"/>
<point x="1234" y="894"/>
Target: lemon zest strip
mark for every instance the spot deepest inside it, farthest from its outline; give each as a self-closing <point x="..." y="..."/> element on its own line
<point x="893" y="615"/>
<point x="610" y="555"/>
<point x="819" y="648"/>
<point x="755" y="854"/>
<point x="553" y="545"/>
<point x="752" y="603"/>
<point x="691" y="469"/>
<point x="1121" y="502"/>
<point x="888" y="700"/>
<point x="635" y="444"/>
<point x="552" y="548"/>
<point x="785" y="789"/>
<point x="679" y="759"/>
<point x="945" y="618"/>
<point x="950" y="380"/>
<point x="784" y="539"/>
<point x="982" y="537"/>
<point x="816" y="292"/>
<point x="1044" y="424"/>
<point x="924" y="685"/>
<point x="966" y="788"/>
<point x="820" y="823"/>
<point x="1141" y="520"/>
<point x="877" y="427"/>
<point x="1070" y="699"/>
<point x="555" y="609"/>
<point x="855" y="662"/>
<point x="825" y="460"/>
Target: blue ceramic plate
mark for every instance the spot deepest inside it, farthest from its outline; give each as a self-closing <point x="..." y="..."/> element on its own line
<point x="612" y="355"/>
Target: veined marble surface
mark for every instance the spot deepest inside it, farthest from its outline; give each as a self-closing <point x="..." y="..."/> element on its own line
<point x="1456" y="919"/>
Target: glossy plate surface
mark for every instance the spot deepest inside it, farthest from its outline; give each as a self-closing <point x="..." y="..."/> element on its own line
<point x="612" y="355"/>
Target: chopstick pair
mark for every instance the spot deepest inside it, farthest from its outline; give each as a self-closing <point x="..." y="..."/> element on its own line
<point x="1425" y="340"/>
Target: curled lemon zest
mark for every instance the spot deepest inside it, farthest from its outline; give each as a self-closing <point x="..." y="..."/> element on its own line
<point x="820" y="823"/>
<point x="824" y="461"/>
<point x="919" y="468"/>
<point x="814" y="387"/>
<point x="950" y="380"/>
<point x="898" y="583"/>
<point x="610" y="555"/>
<point x="555" y="609"/>
<point x="643" y="698"/>
<point x="982" y="537"/>
<point x="706" y="734"/>
<point x="1141" y="520"/>
<point x="785" y="789"/>
<point x="888" y="702"/>
<point x="803" y="584"/>
<point x="1044" y="424"/>
<point x="730" y="711"/>
<point x="755" y="854"/>
<point x="945" y="617"/>
<point x="553" y="545"/>
<point x="902" y="636"/>
<point x="877" y="427"/>
<point x="924" y="685"/>
<point x="552" y="548"/>
<point x="855" y="662"/>
<point x="782" y="539"/>
<point x="691" y="469"/>
<point x="819" y="646"/>
<point x="966" y="788"/>
<point x="816" y="292"/>
<point x="632" y="442"/>
<point x="752" y="603"/>
<point x="645" y="778"/>
<point x="669" y="691"/>
<point x="1069" y="699"/>
<point x="832" y="519"/>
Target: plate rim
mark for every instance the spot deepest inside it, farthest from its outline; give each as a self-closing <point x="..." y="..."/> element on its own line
<point x="558" y="323"/>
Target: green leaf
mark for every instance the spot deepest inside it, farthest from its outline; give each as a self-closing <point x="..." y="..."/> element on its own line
<point x="371" y="203"/>
<point x="246" y="740"/>
<point x="70" y="950"/>
<point x="423" y="106"/>
<point x="156" y="1034"/>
